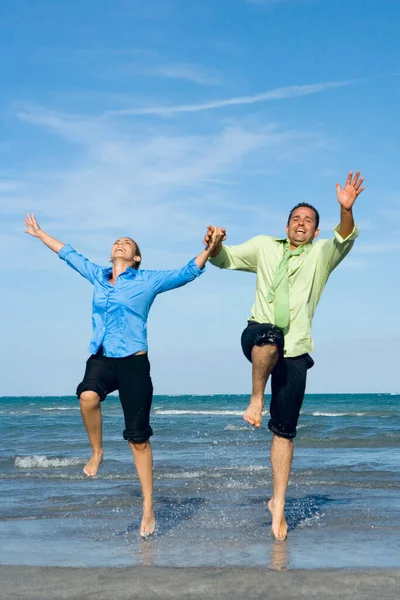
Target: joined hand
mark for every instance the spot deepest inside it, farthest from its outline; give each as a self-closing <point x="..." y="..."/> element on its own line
<point x="213" y="239"/>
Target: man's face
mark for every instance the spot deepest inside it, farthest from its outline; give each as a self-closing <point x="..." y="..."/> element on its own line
<point x="125" y="248"/>
<point x="302" y="228"/>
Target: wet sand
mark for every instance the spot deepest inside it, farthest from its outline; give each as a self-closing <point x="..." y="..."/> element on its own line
<point x="151" y="583"/>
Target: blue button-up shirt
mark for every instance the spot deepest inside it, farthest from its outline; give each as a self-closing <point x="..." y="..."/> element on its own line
<point x="119" y="311"/>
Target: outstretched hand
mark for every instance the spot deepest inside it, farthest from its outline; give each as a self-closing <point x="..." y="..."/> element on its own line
<point x="213" y="239"/>
<point x="217" y="232"/>
<point x="350" y="192"/>
<point x="32" y="226"/>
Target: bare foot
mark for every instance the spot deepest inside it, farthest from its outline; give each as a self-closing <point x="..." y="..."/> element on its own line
<point x="91" y="467"/>
<point x="253" y="413"/>
<point x="279" y="525"/>
<point x="148" y="523"/>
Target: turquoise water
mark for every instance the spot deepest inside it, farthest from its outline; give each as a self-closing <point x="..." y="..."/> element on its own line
<point x="212" y="480"/>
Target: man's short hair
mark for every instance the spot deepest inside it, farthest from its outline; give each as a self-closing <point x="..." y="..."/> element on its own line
<point x="305" y="205"/>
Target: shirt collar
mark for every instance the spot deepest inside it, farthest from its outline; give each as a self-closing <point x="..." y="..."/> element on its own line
<point x="107" y="272"/>
<point x="286" y="241"/>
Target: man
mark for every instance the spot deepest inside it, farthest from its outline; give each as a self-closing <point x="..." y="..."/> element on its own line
<point x="291" y="275"/>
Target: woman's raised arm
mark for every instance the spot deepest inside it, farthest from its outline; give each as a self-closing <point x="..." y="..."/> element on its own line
<point x="33" y="228"/>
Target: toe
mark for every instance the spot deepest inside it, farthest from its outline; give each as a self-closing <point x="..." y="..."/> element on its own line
<point x="145" y="532"/>
<point x="248" y="419"/>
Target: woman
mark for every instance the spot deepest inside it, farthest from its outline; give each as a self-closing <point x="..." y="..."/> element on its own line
<point x="123" y="295"/>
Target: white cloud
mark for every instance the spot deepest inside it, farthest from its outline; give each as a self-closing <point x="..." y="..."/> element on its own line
<point x="185" y="72"/>
<point x="354" y="263"/>
<point x="376" y="248"/>
<point x="161" y="184"/>
<point x="293" y="91"/>
<point x="114" y="64"/>
<point x="391" y="214"/>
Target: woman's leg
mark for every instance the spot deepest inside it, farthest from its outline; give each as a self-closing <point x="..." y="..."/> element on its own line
<point x="143" y="458"/>
<point x="136" y="394"/>
<point x="91" y="416"/>
<point x="98" y="381"/>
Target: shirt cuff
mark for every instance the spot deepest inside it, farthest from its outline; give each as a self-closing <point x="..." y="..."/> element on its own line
<point x="220" y="259"/>
<point x="352" y="236"/>
<point x="195" y="269"/>
<point x="66" y="249"/>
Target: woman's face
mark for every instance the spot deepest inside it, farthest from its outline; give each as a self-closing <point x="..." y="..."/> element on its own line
<point x="125" y="248"/>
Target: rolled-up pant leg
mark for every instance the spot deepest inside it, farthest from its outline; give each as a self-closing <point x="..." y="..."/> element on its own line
<point x="288" y="385"/>
<point x="136" y="395"/>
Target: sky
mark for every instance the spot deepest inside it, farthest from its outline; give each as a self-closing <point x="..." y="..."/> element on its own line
<point x="154" y="119"/>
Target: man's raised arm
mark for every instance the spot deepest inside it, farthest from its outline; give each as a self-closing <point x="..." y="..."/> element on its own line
<point x="345" y="233"/>
<point x="346" y="198"/>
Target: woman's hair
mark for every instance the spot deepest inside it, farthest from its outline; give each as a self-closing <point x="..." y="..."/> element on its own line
<point x="136" y="264"/>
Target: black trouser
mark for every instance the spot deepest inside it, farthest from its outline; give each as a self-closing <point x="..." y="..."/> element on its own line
<point x="131" y="377"/>
<point x="288" y="377"/>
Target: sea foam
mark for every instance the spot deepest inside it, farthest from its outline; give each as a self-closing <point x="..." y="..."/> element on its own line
<point x="43" y="462"/>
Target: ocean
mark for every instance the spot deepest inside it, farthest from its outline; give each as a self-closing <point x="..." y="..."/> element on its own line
<point x="212" y="482"/>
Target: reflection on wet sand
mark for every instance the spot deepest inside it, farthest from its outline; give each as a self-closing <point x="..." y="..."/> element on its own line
<point x="278" y="556"/>
<point x="147" y="548"/>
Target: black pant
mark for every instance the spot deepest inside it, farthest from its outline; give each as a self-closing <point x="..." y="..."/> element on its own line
<point x="288" y="378"/>
<point x="131" y="377"/>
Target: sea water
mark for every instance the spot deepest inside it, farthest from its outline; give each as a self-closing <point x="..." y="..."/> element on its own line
<point x="212" y="483"/>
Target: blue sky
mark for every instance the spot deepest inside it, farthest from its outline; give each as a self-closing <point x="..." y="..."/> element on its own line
<point x="154" y="119"/>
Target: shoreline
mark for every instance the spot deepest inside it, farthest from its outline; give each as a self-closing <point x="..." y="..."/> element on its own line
<point x="102" y="583"/>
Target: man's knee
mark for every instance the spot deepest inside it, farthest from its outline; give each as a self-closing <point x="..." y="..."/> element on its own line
<point x="265" y="351"/>
<point x="272" y="349"/>
<point x="282" y="430"/>
<point x="264" y="337"/>
<point x="139" y="447"/>
<point x="282" y="440"/>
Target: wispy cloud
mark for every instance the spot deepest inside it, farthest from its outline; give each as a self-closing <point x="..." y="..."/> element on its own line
<point x="184" y="72"/>
<point x="282" y="93"/>
<point x="373" y="249"/>
<point x="150" y="63"/>
<point x="354" y="263"/>
<point x="112" y="64"/>
<point x="391" y="214"/>
<point x="163" y="185"/>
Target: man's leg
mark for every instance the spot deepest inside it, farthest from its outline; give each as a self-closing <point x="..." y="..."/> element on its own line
<point x="281" y="460"/>
<point x="263" y="360"/>
<point x="288" y="388"/>
<point x="136" y="395"/>
<point x="262" y="344"/>
<point x="143" y="458"/>
<point x="91" y="416"/>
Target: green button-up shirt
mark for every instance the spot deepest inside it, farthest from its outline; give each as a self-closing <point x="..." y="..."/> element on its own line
<point x="308" y="274"/>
